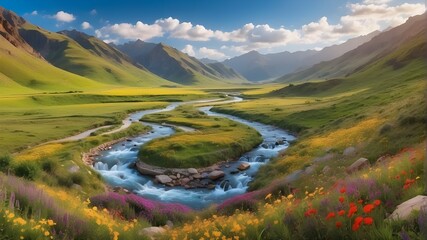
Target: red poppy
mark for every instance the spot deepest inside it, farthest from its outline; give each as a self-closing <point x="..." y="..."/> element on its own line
<point x="368" y="208"/>
<point x="356" y="224"/>
<point x="341" y="199"/>
<point x="310" y="212"/>
<point x="338" y="224"/>
<point x="341" y="212"/>
<point x="352" y="211"/>
<point x="342" y="190"/>
<point x="377" y="202"/>
<point x="330" y="215"/>
<point x="368" y="221"/>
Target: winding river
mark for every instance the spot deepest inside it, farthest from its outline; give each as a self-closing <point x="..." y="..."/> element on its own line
<point x="114" y="164"/>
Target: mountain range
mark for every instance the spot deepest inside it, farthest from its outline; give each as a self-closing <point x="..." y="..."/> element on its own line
<point x="255" y="66"/>
<point x="174" y="65"/>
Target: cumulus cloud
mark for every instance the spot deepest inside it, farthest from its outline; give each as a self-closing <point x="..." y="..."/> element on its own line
<point x="129" y="31"/>
<point x="86" y="25"/>
<point x="64" y="16"/>
<point x="189" y="49"/>
<point x="34" y="13"/>
<point x="211" y="54"/>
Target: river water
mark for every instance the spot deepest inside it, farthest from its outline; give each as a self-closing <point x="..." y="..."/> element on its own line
<point x="113" y="164"/>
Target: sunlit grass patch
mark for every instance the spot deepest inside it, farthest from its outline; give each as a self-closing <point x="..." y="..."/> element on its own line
<point x="39" y="152"/>
<point x="346" y="137"/>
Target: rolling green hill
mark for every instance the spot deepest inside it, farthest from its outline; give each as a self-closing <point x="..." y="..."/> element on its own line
<point x="23" y="70"/>
<point x="390" y="49"/>
<point x="88" y="57"/>
<point x="178" y="67"/>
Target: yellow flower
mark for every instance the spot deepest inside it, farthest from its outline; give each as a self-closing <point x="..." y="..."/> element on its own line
<point x="290" y="196"/>
<point x="11" y="215"/>
<point x="116" y="235"/>
<point x="46" y="233"/>
<point x="21" y="237"/>
<point x="51" y="222"/>
<point x="268" y="196"/>
<point x="216" y="233"/>
<point x="418" y="177"/>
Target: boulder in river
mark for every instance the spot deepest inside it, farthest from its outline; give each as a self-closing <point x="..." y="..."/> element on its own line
<point x="264" y="145"/>
<point x="243" y="166"/>
<point x="358" y="165"/>
<point x="192" y="171"/>
<point x="163" y="179"/>
<point x="214" y="175"/>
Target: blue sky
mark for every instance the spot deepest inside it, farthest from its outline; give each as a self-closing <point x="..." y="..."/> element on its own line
<point x="223" y="28"/>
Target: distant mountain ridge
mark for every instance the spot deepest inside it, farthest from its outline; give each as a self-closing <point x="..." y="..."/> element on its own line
<point x="174" y="65"/>
<point x="255" y="66"/>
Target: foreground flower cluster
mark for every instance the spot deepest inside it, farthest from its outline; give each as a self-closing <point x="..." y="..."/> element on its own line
<point x="355" y="207"/>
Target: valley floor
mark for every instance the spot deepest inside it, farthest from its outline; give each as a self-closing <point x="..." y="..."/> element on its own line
<point x="334" y="130"/>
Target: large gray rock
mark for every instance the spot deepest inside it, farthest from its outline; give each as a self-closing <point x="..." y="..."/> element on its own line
<point x="163" y="179"/>
<point x="145" y="169"/>
<point x="358" y="165"/>
<point x="214" y="175"/>
<point x="192" y="171"/>
<point x="151" y="232"/>
<point x="243" y="166"/>
<point x="349" y="151"/>
<point x="404" y="210"/>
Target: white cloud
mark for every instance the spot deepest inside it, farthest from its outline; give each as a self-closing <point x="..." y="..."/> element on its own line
<point x="108" y="41"/>
<point x="93" y="12"/>
<point x="86" y="25"/>
<point x="189" y="49"/>
<point x="377" y="2"/>
<point x="211" y="54"/>
<point x="34" y="13"/>
<point x="64" y="17"/>
<point x="129" y="31"/>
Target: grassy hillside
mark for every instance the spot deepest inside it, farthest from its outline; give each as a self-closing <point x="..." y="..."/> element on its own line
<point x="384" y="104"/>
<point x="99" y="61"/>
<point x="21" y="72"/>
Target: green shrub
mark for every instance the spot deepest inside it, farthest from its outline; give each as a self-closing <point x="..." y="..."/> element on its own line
<point x="77" y="178"/>
<point x="28" y="170"/>
<point x="5" y="163"/>
<point x="49" y="165"/>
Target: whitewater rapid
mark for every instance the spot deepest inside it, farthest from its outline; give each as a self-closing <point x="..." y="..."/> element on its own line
<point x="115" y="164"/>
